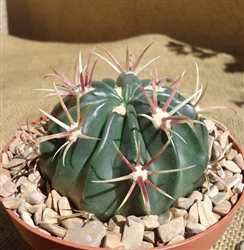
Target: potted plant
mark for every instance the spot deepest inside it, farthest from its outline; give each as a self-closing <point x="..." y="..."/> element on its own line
<point x="125" y="152"/>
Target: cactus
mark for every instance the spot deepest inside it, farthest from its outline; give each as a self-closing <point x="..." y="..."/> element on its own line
<point x="125" y="146"/>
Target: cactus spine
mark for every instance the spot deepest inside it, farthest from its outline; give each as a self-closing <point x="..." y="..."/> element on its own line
<point x="125" y="146"/>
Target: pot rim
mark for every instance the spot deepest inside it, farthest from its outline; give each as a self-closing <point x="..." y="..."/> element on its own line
<point x="209" y="230"/>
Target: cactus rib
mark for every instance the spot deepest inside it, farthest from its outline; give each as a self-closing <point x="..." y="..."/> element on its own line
<point x="103" y="132"/>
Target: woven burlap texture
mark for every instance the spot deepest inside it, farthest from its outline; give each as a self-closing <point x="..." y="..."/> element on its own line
<point x="25" y="63"/>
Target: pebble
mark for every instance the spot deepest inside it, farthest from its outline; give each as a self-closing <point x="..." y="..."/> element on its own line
<point x="212" y="191"/>
<point x="22" y="208"/>
<point x="4" y="170"/>
<point x="234" y="199"/>
<point x="56" y="196"/>
<point x="238" y="188"/>
<point x="50" y="216"/>
<point x="149" y="236"/>
<point x="34" y="198"/>
<point x="219" y="198"/>
<point x="133" y="233"/>
<point x="240" y="177"/>
<point x="146" y="245"/>
<point x="64" y="207"/>
<point x="26" y="218"/>
<point x="49" y="200"/>
<point x="195" y="228"/>
<point x="205" y="186"/>
<point x="16" y="146"/>
<point x="165" y="217"/>
<point x="217" y="216"/>
<point x="232" y="154"/>
<point x="116" y="233"/>
<point x="239" y="161"/>
<point x="7" y="188"/>
<point x="223" y="139"/>
<point x="210" y="125"/>
<point x="21" y="179"/>
<point x="38" y="215"/>
<point x="171" y="229"/>
<point x="195" y="196"/>
<point x="72" y="222"/>
<point x="160" y="243"/>
<point x="16" y="164"/>
<point x="36" y="178"/>
<point x="150" y="222"/>
<point x="222" y="208"/>
<point x="220" y="172"/>
<point x="7" y="157"/>
<point x="233" y="167"/>
<point x="11" y="202"/>
<point x="89" y="235"/>
<point x="117" y="221"/>
<point x="27" y="205"/>
<point x="206" y="216"/>
<point x="176" y="239"/>
<point x="229" y="193"/>
<point x="216" y="150"/>
<point x="28" y="187"/>
<point x="232" y="180"/>
<point x="228" y="173"/>
<point x="193" y="215"/>
<point x="222" y="163"/>
<point x="183" y="203"/>
<point x="178" y="212"/>
<point x="53" y="229"/>
<point x="112" y="241"/>
<point x="27" y="153"/>
<point x="33" y="208"/>
<point x="207" y="200"/>
<point x="220" y="186"/>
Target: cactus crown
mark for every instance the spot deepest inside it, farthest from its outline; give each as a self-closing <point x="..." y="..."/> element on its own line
<point x="127" y="146"/>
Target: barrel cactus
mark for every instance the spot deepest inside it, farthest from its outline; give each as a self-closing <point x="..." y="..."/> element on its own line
<point x="123" y="146"/>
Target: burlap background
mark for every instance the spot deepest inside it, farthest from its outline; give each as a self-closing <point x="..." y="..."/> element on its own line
<point x="209" y="24"/>
<point x="25" y="63"/>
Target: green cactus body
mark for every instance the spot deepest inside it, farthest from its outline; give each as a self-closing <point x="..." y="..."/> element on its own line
<point x="114" y="115"/>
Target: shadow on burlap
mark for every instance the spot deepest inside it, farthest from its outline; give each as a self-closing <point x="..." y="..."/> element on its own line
<point x="25" y="63"/>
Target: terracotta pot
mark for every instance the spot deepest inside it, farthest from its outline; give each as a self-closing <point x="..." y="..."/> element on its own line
<point x="204" y="240"/>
